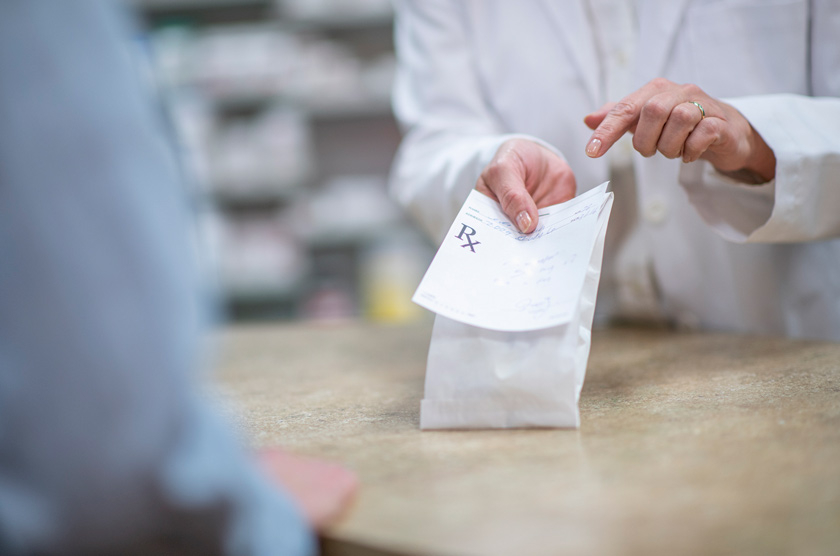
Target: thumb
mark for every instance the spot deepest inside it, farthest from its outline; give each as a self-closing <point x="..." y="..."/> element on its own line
<point x="594" y="119"/>
<point x="509" y="190"/>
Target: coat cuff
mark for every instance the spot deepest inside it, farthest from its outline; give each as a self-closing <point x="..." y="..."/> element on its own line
<point x="735" y="210"/>
<point x="804" y="200"/>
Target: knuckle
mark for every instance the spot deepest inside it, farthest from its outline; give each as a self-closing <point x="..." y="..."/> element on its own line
<point x="655" y="109"/>
<point x="692" y="151"/>
<point x="669" y="151"/>
<point x="643" y="149"/>
<point x="624" y="110"/>
<point x="683" y="115"/>
<point x="713" y="126"/>
<point x="692" y="90"/>
<point x="698" y="142"/>
<point x="510" y="197"/>
<point x="690" y="155"/>
<point x="661" y="83"/>
<point x="707" y="130"/>
<point x="605" y="130"/>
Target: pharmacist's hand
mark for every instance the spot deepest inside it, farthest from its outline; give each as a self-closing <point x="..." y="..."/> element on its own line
<point x="663" y="117"/>
<point x="524" y="175"/>
<point x="322" y="490"/>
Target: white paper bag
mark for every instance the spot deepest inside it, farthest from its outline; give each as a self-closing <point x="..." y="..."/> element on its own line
<point x="481" y="378"/>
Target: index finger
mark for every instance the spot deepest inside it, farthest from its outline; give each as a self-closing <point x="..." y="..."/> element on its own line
<point x="621" y="119"/>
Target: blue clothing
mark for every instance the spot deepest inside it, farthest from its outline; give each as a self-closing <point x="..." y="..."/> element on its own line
<point x="106" y="445"/>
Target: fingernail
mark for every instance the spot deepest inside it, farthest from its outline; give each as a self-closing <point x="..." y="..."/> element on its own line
<point x="593" y="147"/>
<point x="523" y="221"/>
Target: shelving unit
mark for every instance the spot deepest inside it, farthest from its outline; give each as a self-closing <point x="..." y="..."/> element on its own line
<point x="284" y="109"/>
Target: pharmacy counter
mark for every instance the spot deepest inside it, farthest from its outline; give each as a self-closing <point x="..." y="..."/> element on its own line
<point x="690" y="444"/>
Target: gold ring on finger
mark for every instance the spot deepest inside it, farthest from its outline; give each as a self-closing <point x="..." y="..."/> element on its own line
<point x="700" y="106"/>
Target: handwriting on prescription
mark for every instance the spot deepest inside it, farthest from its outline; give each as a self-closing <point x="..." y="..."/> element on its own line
<point x="518" y="272"/>
<point x="534" y="307"/>
<point x="546" y="226"/>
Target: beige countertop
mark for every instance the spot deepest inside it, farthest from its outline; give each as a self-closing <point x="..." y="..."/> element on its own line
<point x="690" y="444"/>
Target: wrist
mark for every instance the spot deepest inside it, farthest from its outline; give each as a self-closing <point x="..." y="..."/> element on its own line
<point x="763" y="159"/>
<point x="760" y="165"/>
<point x="757" y="164"/>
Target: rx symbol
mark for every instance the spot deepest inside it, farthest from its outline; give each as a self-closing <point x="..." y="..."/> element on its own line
<point x="467" y="234"/>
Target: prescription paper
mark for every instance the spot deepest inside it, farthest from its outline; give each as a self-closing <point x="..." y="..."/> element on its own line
<point x="511" y="339"/>
<point x="488" y="274"/>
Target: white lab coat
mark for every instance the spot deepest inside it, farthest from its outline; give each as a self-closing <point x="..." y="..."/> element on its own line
<point x="766" y="259"/>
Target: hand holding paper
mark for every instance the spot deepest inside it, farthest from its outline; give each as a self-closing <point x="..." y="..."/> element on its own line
<point x="524" y="175"/>
<point x="487" y="274"/>
<point x="511" y="338"/>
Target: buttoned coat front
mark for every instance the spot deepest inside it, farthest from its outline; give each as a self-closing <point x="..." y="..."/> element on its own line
<point x="758" y="259"/>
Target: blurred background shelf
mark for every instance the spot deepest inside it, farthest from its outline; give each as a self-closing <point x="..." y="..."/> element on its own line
<point x="253" y="196"/>
<point x="293" y="15"/>
<point x="283" y="115"/>
<point x="375" y="107"/>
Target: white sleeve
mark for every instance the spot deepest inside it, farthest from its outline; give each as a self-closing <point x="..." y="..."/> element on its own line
<point x="803" y="202"/>
<point x="450" y="133"/>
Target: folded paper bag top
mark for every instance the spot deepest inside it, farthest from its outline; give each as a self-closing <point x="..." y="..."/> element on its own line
<point x="514" y="315"/>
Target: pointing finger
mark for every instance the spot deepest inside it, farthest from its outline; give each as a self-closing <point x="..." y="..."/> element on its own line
<point x="622" y="117"/>
<point x="594" y="119"/>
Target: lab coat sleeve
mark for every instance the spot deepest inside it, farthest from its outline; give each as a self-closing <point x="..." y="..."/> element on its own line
<point x="450" y="134"/>
<point x="803" y="201"/>
<point x="106" y="446"/>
